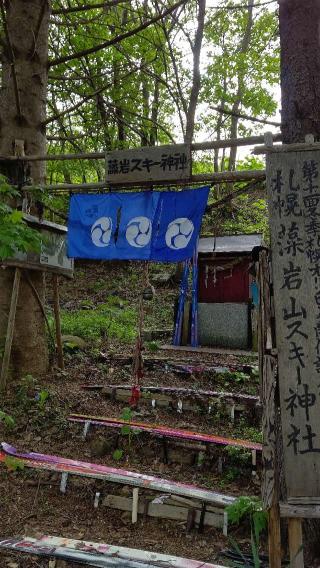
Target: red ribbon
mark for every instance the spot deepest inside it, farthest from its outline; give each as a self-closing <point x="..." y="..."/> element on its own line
<point x="135" y="395"/>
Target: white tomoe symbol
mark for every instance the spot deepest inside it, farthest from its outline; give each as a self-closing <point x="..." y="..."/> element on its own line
<point x="101" y="232"/>
<point x="139" y="231"/>
<point x="179" y="233"/>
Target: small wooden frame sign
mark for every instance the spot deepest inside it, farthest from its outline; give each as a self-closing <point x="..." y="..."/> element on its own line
<point x="153" y="164"/>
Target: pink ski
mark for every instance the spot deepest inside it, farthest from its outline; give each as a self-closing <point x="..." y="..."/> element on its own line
<point x="165" y="431"/>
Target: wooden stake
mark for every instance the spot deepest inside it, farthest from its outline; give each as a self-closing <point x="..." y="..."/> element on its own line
<point x="295" y="543"/>
<point x="56" y="307"/>
<point x="274" y="537"/>
<point x="135" y="503"/>
<point x="10" y="330"/>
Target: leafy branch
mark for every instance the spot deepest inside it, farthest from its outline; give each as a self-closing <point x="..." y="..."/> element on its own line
<point x="116" y="39"/>
<point x="15" y="235"/>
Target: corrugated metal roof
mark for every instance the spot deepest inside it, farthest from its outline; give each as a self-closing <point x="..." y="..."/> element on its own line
<point x="229" y="244"/>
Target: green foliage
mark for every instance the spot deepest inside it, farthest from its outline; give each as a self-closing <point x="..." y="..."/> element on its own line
<point x="118" y="454"/>
<point x="238" y="455"/>
<point x="8" y="421"/>
<point x="238" y="376"/>
<point x="106" y="320"/>
<point x="126" y="431"/>
<point x="249" y="508"/>
<point x="126" y="414"/>
<point x="250" y="432"/>
<point x="153" y="346"/>
<point x="141" y="92"/>
<point x="15" y="235"/>
<point x="230" y="475"/>
<point x="70" y="347"/>
<point x="13" y="464"/>
<point x="30" y="397"/>
<point x="25" y="392"/>
<point x="241" y="72"/>
<point x="42" y="398"/>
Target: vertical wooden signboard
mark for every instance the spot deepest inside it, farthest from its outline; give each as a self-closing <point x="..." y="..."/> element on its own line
<point x="293" y="179"/>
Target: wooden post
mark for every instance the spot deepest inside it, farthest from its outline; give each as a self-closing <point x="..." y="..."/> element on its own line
<point x="274" y="537"/>
<point x="56" y="307"/>
<point x="10" y="330"/>
<point x="135" y="504"/>
<point x="295" y="543"/>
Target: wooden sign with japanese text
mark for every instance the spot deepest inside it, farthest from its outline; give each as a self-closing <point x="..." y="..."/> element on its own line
<point x="293" y="180"/>
<point x="153" y="164"/>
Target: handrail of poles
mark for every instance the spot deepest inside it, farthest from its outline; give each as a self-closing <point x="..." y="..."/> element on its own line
<point x="212" y="178"/>
<point x="210" y="145"/>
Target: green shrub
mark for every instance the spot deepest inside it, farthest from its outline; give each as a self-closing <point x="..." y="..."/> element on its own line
<point x="7" y="420"/>
<point x="104" y="321"/>
<point x="15" y="235"/>
<point x="249" y="508"/>
<point x="153" y="346"/>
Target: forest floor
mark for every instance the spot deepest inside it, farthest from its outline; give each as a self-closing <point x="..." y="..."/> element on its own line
<point x="100" y="306"/>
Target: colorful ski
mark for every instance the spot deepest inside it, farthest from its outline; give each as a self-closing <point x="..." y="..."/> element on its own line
<point x="165" y="431"/>
<point x="75" y="467"/>
<point x="181" y="392"/>
<point x="97" y="554"/>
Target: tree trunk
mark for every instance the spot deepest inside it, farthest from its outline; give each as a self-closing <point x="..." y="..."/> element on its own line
<point x="300" y="68"/>
<point x="155" y="112"/>
<point x="22" y="111"/>
<point x="243" y="49"/>
<point x="196" y="75"/>
<point x="300" y="89"/>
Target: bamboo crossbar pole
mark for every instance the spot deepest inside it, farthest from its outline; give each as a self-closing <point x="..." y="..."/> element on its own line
<point x="57" y="157"/>
<point x="210" y="145"/>
<point x="218" y="177"/>
<point x="233" y="142"/>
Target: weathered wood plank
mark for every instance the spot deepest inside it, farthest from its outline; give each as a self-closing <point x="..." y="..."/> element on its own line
<point x="274" y="537"/>
<point x="209" y="350"/>
<point x="149" y="163"/>
<point x="300" y="511"/>
<point x="279" y="149"/>
<point x="163" y="510"/>
<point x="269" y="496"/>
<point x="295" y="543"/>
<point x="294" y="205"/>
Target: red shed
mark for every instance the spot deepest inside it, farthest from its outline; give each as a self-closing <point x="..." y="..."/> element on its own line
<point x="225" y="290"/>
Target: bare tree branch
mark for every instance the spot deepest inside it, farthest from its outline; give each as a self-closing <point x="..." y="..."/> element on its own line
<point x="245" y="116"/>
<point x="118" y="38"/>
<point x="174" y="64"/>
<point x="196" y="75"/>
<point x="88" y="7"/>
<point x="75" y="106"/>
<point x="230" y="196"/>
